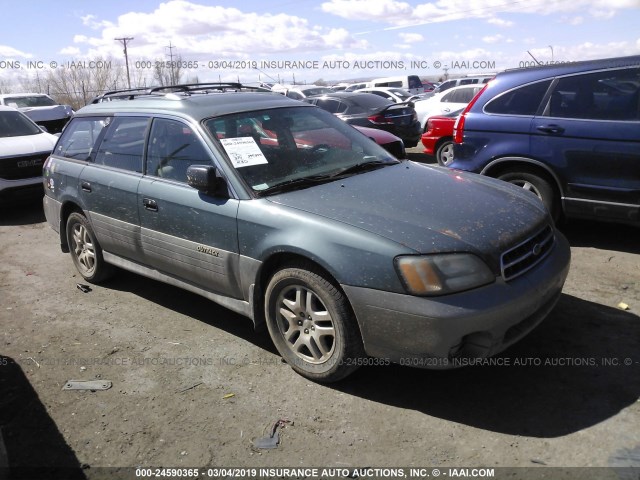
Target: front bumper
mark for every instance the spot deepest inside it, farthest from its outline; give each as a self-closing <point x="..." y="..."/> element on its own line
<point x="436" y="331"/>
<point x="19" y="183"/>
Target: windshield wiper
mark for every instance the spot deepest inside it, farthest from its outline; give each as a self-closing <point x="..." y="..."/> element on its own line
<point x="295" y="184"/>
<point x="362" y="167"/>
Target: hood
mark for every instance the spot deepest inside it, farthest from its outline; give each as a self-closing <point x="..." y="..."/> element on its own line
<point x="428" y="209"/>
<point x="27" y="144"/>
<point x="45" y="114"/>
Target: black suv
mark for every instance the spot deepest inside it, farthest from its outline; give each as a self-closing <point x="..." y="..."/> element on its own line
<point x="569" y="133"/>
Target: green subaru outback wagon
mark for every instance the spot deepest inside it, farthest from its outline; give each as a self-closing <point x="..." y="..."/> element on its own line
<point x="278" y="210"/>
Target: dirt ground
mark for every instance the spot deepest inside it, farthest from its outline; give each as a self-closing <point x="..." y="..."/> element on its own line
<point x="193" y="385"/>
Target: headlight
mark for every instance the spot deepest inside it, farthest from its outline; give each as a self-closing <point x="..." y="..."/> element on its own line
<point x="442" y="274"/>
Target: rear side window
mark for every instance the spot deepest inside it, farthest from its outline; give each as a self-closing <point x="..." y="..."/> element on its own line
<point x="123" y="144"/>
<point x="610" y="95"/>
<point x="81" y="136"/>
<point x="520" y="101"/>
<point x="464" y="95"/>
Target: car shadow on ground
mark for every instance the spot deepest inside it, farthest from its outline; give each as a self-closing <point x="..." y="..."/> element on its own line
<point x="608" y="236"/>
<point x="35" y="448"/>
<point x="191" y="305"/>
<point x="569" y="374"/>
<point x="23" y="212"/>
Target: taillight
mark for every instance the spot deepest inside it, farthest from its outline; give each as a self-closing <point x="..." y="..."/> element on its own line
<point x="458" y="127"/>
<point x="429" y="125"/>
<point x="380" y="120"/>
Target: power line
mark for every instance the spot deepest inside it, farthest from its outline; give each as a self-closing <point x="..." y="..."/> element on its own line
<point x="124" y="41"/>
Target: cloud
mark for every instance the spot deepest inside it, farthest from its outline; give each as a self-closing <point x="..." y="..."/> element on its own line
<point x="213" y="31"/>
<point x="70" y="51"/>
<point x="576" y="20"/>
<point x="411" y="37"/>
<point x="493" y="39"/>
<point x="500" y="22"/>
<point x="10" y="52"/>
<point x="401" y="14"/>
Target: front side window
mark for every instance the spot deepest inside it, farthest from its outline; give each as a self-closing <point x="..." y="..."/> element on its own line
<point x="81" y="136"/>
<point x="174" y="147"/>
<point x="520" y="101"/>
<point x="610" y="95"/>
<point x="123" y="144"/>
<point x="415" y="82"/>
<point x="293" y="147"/>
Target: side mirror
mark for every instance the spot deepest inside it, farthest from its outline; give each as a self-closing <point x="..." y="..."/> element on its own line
<point x="207" y="179"/>
<point x="43" y="128"/>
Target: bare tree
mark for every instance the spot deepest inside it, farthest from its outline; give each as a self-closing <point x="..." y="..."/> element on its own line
<point x="77" y="86"/>
<point x="168" y="72"/>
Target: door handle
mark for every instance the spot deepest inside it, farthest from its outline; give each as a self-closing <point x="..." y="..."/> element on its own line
<point x="446" y="110"/>
<point x="150" y="205"/>
<point x="85" y="186"/>
<point x="551" y="129"/>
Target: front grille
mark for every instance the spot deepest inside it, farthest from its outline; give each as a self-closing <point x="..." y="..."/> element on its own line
<point x="25" y="166"/>
<point x="526" y="255"/>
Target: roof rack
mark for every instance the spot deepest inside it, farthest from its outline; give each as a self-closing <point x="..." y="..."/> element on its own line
<point x="186" y="88"/>
<point x="207" y="87"/>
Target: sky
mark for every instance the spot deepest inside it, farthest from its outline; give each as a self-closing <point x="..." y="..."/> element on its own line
<point x="308" y="40"/>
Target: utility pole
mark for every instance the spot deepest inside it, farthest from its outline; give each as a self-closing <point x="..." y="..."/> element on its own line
<point x="171" y="65"/>
<point x="124" y="41"/>
<point x="551" y="47"/>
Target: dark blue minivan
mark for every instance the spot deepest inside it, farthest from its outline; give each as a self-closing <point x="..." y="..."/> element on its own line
<point x="569" y="133"/>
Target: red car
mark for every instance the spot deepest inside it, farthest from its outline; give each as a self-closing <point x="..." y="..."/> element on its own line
<point x="438" y="137"/>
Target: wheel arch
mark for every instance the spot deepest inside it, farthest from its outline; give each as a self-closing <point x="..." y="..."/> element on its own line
<point x="67" y="209"/>
<point x="441" y="140"/>
<point x="275" y="262"/>
<point x="501" y="165"/>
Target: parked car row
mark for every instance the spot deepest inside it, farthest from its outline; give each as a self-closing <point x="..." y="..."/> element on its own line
<point x="40" y="108"/>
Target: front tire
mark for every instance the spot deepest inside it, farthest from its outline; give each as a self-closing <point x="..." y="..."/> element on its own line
<point x="85" y="250"/>
<point x="312" y="325"/>
<point x="537" y="185"/>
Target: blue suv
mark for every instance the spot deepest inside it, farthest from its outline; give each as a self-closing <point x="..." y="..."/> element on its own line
<point x="569" y="133"/>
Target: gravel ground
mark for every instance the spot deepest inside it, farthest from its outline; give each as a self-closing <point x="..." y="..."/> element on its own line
<point x="193" y="384"/>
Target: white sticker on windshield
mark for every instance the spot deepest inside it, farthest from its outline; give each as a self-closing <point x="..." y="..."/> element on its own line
<point x="243" y="151"/>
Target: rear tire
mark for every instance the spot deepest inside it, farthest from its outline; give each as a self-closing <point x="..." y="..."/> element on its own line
<point x="537" y="185"/>
<point x="444" y="154"/>
<point x="311" y="324"/>
<point x="85" y="250"/>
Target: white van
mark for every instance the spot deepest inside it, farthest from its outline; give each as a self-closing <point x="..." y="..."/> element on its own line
<point x="410" y="83"/>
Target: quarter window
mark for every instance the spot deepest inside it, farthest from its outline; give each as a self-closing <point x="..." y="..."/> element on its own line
<point x="123" y="144"/>
<point x="610" y="95"/>
<point x="80" y="137"/>
<point x="520" y="101"/>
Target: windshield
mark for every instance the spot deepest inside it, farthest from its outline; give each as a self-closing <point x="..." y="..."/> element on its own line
<point x="272" y="147"/>
<point x="403" y="94"/>
<point x="30" y="101"/>
<point x="15" y="124"/>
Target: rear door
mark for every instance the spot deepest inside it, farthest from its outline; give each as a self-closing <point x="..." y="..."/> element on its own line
<point x="185" y="233"/>
<point x="109" y="183"/>
<point x="590" y="134"/>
